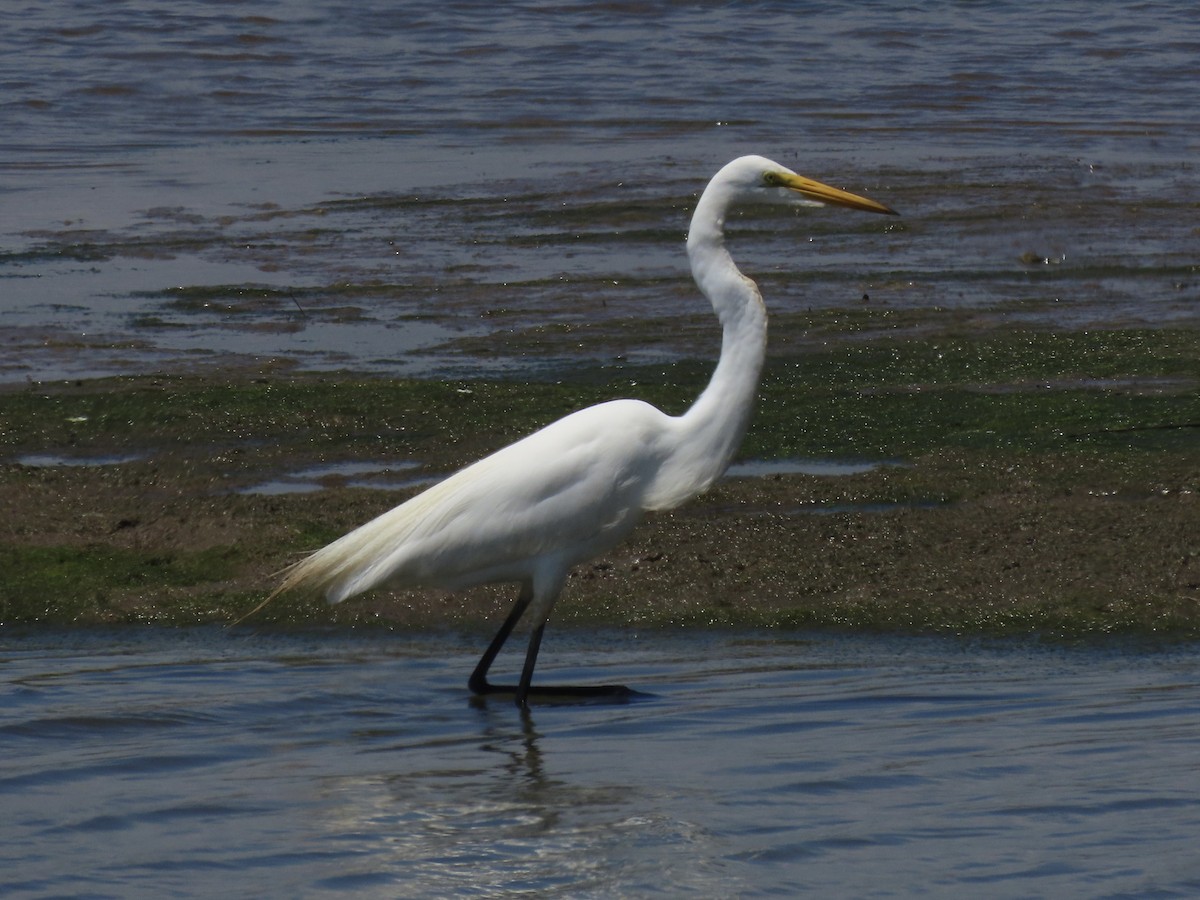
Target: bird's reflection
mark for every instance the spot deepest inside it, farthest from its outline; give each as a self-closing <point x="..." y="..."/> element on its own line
<point x="524" y="756"/>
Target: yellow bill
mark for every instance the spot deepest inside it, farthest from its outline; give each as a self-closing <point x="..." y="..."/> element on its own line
<point x="831" y="196"/>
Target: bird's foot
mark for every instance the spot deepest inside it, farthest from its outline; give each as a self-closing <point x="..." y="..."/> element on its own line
<point x="563" y="693"/>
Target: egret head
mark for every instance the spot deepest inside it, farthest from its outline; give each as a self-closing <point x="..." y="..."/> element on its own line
<point x="758" y="178"/>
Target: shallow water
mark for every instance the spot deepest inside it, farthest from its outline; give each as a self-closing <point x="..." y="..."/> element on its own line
<point x="384" y="475"/>
<point x="145" y="763"/>
<point x="361" y="185"/>
<point x="355" y="473"/>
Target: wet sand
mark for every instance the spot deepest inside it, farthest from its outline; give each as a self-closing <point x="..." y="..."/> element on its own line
<point x="1084" y="522"/>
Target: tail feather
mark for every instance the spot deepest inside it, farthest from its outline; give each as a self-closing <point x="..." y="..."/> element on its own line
<point x="353" y="563"/>
<point x="330" y="571"/>
<point x="389" y="547"/>
<point x="271" y="596"/>
<point x="360" y="560"/>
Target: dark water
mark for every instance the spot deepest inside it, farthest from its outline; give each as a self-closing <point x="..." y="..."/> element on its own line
<point x="361" y="184"/>
<point x="202" y="763"/>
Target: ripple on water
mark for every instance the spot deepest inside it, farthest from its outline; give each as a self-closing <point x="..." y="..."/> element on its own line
<point x="355" y="473"/>
<point x="764" y="763"/>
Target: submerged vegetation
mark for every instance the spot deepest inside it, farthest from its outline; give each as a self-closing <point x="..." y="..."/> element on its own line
<point x="1038" y="481"/>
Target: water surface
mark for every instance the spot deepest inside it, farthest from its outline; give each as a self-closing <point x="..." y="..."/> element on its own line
<point x="363" y="185"/>
<point x="145" y="763"/>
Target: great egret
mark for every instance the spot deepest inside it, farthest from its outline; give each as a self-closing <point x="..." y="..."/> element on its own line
<point x="575" y="489"/>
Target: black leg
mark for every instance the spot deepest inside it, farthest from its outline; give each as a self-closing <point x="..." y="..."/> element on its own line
<point x="478" y="682"/>
<point x="535" y="643"/>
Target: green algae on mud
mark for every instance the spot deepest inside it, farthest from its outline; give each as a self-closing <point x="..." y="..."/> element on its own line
<point x="1050" y="482"/>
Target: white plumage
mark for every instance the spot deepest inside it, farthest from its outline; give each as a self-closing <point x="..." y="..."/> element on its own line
<point x="576" y="488"/>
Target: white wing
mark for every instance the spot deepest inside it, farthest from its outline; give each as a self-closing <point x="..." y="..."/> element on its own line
<point x="561" y="495"/>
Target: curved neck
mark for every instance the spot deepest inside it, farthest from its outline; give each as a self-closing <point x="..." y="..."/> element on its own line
<point x="717" y="421"/>
<point x="712" y="429"/>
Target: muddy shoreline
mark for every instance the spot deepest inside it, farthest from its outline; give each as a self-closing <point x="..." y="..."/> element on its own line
<point x="1023" y="492"/>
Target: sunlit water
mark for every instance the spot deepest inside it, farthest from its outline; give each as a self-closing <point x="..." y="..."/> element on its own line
<point x="360" y="185"/>
<point x="205" y="763"/>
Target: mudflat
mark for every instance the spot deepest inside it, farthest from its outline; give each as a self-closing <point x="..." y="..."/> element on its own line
<point x="993" y="479"/>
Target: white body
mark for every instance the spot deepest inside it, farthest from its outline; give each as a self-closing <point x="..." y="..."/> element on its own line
<point x="575" y="489"/>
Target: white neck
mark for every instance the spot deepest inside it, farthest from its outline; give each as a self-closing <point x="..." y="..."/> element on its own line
<point x="712" y="430"/>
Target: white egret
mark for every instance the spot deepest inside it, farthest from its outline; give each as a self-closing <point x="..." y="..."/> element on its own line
<point x="531" y="511"/>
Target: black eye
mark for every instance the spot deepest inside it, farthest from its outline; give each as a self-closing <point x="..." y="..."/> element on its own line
<point x="771" y="178"/>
